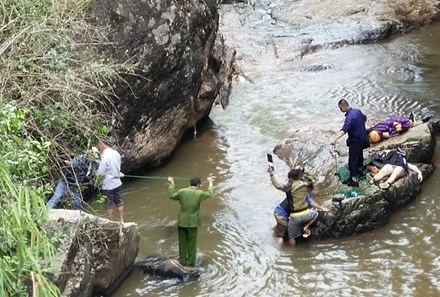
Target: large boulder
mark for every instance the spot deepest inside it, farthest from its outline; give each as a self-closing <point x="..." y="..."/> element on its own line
<point x="313" y="150"/>
<point x="369" y="211"/>
<point x="303" y="27"/>
<point x="94" y="255"/>
<point x="182" y="66"/>
<point x="375" y="206"/>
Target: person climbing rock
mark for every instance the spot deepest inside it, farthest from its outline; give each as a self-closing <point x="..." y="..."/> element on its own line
<point x="76" y="176"/>
<point x="300" y="213"/>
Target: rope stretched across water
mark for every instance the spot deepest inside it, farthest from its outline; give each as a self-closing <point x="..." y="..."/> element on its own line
<point x="154" y="177"/>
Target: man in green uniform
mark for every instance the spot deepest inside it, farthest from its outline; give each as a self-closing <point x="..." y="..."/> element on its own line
<point x="189" y="219"/>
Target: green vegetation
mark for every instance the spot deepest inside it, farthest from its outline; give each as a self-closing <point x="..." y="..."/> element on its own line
<point x="25" y="251"/>
<point x="50" y="67"/>
<point x="55" y="88"/>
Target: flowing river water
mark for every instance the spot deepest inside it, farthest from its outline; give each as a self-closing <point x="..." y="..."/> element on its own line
<point x="236" y="249"/>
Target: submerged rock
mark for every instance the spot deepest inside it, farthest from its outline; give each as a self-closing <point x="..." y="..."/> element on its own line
<point x="168" y="268"/>
<point x="95" y="255"/>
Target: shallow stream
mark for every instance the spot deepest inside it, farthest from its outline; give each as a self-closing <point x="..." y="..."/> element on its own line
<point x="237" y="251"/>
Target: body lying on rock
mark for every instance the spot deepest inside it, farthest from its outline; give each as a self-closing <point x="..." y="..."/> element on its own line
<point x="393" y="126"/>
<point x="395" y="166"/>
<point x="168" y="268"/>
<point x="359" y="209"/>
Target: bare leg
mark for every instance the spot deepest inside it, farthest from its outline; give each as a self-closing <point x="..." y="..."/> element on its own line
<point x="397" y="173"/>
<point x="280" y="240"/>
<point x="416" y="123"/>
<point x="109" y="213"/>
<point x="121" y="213"/>
<point x="292" y="242"/>
<point x="384" y="172"/>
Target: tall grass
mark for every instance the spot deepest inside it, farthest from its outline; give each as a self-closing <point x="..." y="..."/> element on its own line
<point x="55" y="99"/>
<point x="25" y="251"/>
<point x="50" y="63"/>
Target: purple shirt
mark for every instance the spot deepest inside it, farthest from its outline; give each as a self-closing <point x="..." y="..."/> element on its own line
<point x="388" y="126"/>
<point x="354" y="125"/>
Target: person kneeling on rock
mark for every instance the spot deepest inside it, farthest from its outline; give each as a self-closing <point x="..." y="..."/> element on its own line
<point x="396" y="166"/>
<point x="296" y="196"/>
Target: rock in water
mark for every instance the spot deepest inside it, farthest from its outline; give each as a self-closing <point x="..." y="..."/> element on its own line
<point x="168" y="268"/>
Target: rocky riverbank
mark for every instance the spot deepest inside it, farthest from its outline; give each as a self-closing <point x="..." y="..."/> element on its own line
<point x="303" y="27"/>
<point x="373" y="209"/>
<point x="94" y="255"/>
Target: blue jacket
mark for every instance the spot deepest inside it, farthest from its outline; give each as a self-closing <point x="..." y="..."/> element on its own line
<point x="354" y="125"/>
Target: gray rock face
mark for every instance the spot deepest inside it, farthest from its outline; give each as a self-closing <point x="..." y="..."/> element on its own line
<point x="304" y="27"/>
<point x="369" y="211"/>
<point x="319" y="159"/>
<point x="182" y="66"/>
<point x="96" y="253"/>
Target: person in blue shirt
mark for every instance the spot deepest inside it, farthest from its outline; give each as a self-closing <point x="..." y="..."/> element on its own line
<point x="357" y="141"/>
<point x="76" y="176"/>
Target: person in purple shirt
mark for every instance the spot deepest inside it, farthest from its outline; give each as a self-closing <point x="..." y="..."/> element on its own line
<point x="354" y="126"/>
<point x="393" y="126"/>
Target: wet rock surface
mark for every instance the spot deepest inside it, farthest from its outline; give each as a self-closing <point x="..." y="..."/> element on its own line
<point x="182" y="66"/>
<point x="372" y="209"/>
<point x="313" y="150"/>
<point x="366" y="212"/>
<point x="167" y="268"/>
<point x="303" y="27"/>
<point x="95" y="255"/>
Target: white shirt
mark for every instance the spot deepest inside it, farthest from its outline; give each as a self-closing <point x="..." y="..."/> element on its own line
<point x="109" y="168"/>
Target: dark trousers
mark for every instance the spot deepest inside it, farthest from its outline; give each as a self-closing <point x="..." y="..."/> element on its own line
<point x="355" y="158"/>
<point x="187" y="246"/>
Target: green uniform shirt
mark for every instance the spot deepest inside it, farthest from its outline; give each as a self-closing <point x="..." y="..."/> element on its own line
<point x="190" y="199"/>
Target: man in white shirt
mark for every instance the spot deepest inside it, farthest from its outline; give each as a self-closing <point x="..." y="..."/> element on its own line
<point x="110" y="169"/>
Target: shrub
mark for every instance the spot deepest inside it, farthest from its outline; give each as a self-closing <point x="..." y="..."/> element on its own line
<point x="51" y="67"/>
<point x="54" y="90"/>
<point x="24" y="248"/>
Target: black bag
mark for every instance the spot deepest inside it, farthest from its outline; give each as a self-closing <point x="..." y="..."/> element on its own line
<point x="395" y="158"/>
